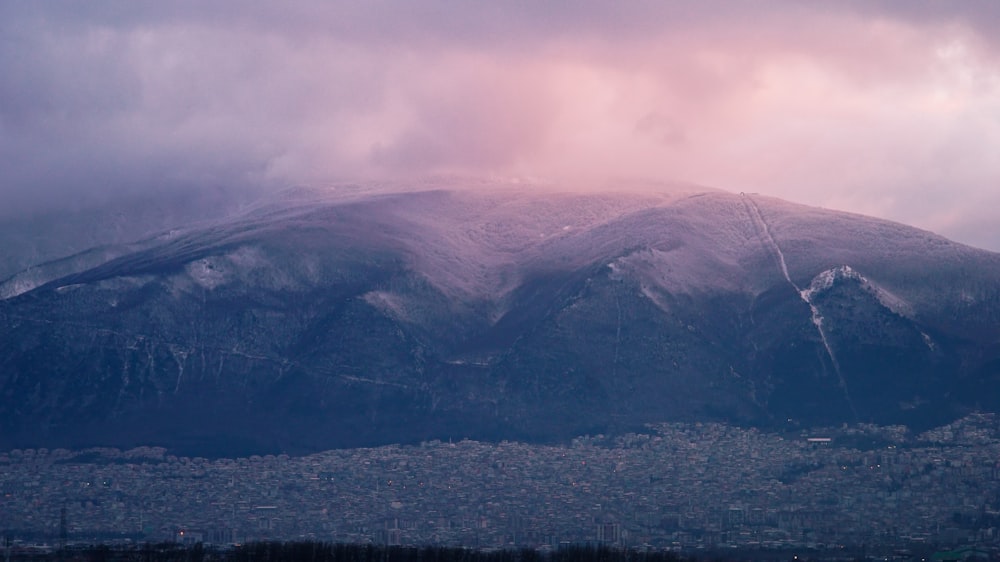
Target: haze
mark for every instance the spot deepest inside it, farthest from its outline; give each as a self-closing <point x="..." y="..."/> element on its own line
<point x="890" y="109"/>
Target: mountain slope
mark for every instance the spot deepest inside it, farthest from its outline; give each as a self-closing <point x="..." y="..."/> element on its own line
<point x="332" y="319"/>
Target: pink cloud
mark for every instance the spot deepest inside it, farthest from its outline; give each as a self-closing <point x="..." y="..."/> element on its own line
<point x="866" y="107"/>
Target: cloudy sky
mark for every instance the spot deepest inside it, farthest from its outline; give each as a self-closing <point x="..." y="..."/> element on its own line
<point x="885" y="108"/>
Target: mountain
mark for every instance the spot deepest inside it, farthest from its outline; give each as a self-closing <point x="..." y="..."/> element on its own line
<point x="360" y="316"/>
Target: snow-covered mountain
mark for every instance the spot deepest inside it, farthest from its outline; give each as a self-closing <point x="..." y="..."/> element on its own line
<point x="350" y="316"/>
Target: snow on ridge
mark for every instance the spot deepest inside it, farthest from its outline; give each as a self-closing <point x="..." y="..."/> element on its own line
<point x="825" y="280"/>
<point x="477" y="242"/>
<point x="20" y="284"/>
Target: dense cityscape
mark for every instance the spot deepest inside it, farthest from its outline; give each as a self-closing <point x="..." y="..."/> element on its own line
<point x="677" y="487"/>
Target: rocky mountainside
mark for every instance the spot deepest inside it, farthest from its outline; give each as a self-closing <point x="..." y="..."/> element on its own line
<point x="349" y="317"/>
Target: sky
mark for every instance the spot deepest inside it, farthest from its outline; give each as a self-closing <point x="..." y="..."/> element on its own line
<point x="890" y="108"/>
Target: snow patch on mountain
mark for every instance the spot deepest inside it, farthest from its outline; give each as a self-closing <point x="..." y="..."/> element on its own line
<point x="20" y="283"/>
<point x="680" y="269"/>
<point x="248" y="266"/>
<point x="390" y="304"/>
<point x="825" y="280"/>
<point x="206" y="272"/>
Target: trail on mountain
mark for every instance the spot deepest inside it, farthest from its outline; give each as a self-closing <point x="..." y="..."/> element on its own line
<point x="616" y="412"/>
<point x="764" y="231"/>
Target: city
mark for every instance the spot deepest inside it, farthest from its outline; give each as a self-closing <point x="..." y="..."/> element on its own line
<point x="679" y="487"/>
